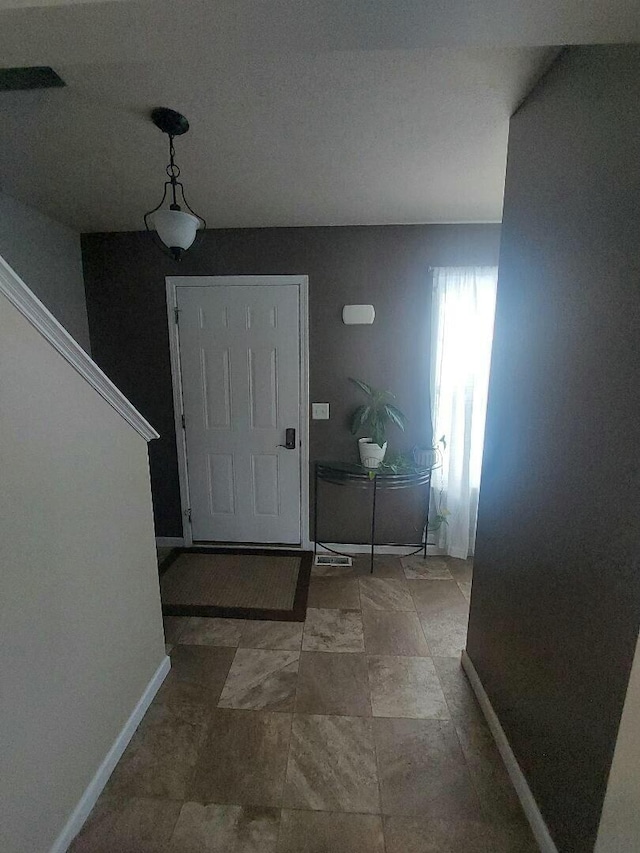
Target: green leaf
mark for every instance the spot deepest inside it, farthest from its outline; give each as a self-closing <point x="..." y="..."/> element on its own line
<point x="396" y="416"/>
<point x="368" y="390"/>
<point x="379" y="433"/>
<point x="359" y="417"/>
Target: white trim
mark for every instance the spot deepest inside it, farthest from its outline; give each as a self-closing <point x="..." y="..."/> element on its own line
<point x="169" y="542"/>
<point x="385" y="550"/>
<point x="28" y="304"/>
<point x="302" y="282"/>
<point x="350" y="548"/>
<point x="94" y="788"/>
<point x="176" y="385"/>
<point x="248" y="546"/>
<point x="529" y="805"/>
<point x="305" y="405"/>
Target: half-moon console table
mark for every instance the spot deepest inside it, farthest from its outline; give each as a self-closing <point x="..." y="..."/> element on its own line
<point x="356" y="476"/>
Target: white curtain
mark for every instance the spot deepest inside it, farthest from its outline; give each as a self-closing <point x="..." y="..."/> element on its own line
<point x="463" y="309"/>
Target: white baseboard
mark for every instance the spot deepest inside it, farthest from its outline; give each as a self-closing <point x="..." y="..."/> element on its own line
<point x="383" y="550"/>
<point x="529" y="805"/>
<point x="249" y="546"/>
<point x="169" y="542"/>
<point x="94" y="788"/>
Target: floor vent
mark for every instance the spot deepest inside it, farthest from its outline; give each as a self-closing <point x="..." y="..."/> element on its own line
<point x="333" y="560"/>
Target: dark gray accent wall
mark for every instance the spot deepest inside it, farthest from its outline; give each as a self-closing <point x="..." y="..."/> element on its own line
<point x="555" y="607"/>
<point x="387" y="266"/>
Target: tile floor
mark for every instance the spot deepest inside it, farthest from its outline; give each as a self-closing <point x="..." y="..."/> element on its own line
<point x="353" y="733"/>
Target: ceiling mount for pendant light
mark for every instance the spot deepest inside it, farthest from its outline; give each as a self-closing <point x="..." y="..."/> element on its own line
<point x="175" y="228"/>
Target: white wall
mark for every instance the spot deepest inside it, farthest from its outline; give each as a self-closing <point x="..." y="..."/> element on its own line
<point x="619" y="830"/>
<point x="80" y="623"/>
<point x="47" y="256"/>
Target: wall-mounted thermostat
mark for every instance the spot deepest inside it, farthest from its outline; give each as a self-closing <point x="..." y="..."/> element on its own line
<point x="358" y="315"/>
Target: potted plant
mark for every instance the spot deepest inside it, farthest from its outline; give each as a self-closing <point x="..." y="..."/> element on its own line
<point x="433" y="457"/>
<point x="373" y="418"/>
<point x="430" y="456"/>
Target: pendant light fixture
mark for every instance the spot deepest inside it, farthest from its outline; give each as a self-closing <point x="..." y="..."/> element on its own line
<point x="175" y="229"/>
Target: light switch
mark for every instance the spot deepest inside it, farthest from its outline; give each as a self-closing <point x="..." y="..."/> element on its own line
<point x="320" y="411"/>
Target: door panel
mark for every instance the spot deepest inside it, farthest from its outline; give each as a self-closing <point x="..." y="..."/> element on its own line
<point x="240" y="365"/>
<point x="264" y="470"/>
<point x="220" y="485"/>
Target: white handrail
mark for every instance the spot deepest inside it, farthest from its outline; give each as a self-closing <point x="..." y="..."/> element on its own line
<point x="17" y="292"/>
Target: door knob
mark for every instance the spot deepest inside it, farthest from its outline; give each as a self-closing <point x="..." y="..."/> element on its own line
<point x="290" y="439"/>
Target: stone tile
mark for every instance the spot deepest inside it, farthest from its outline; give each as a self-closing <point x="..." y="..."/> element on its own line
<point x="333" y="631"/>
<point x="422" y="770"/>
<point x="261" y="679"/>
<point x="446" y="633"/>
<point x="331" y="683"/>
<point x="190" y="703"/>
<point x="432" y="835"/>
<point x="332" y="765"/>
<point x="243" y="760"/>
<point x="384" y="566"/>
<point x="332" y="572"/>
<point x="387" y="633"/>
<point x="337" y="593"/>
<point x="385" y="594"/>
<point x="160" y="757"/>
<point x="203" y="631"/>
<point x="461" y="570"/>
<point x="225" y="829"/>
<point x="259" y="634"/>
<point x="465" y="589"/>
<point x="497" y="795"/>
<point x="433" y="568"/>
<point x="435" y="597"/>
<point x="128" y="825"/>
<point x="405" y="687"/>
<point x="330" y="832"/>
<point x="444" y="613"/>
<point x="457" y="690"/>
<point x="173" y="627"/>
<point x="202" y="665"/>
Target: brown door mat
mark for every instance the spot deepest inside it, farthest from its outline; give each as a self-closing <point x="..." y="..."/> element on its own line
<point x="236" y="583"/>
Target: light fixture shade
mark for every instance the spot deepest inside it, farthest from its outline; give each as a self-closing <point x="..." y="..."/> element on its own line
<point x="175" y="228"/>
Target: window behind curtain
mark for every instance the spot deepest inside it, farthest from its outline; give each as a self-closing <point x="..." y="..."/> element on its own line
<point x="462" y="332"/>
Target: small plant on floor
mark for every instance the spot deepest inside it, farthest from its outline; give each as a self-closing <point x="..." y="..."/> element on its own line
<point x="399" y="463"/>
<point x="442" y="513"/>
<point x="374" y="417"/>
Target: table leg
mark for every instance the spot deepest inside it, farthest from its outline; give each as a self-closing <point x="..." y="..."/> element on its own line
<point x="426" y="518"/>
<point x="373" y="519"/>
<point x="315" y="511"/>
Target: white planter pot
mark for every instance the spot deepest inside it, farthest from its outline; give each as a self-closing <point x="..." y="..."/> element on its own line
<point x="427" y="457"/>
<point x="371" y="455"/>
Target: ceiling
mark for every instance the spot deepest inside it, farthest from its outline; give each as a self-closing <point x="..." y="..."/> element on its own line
<point x="314" y="112"/>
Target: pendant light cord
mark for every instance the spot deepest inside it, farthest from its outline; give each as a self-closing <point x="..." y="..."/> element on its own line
<point x="173" y="171"/>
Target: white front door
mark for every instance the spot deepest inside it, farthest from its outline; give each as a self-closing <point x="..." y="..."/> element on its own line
<point x="239" y="349"/>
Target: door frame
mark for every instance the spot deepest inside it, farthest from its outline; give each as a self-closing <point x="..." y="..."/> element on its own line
<point x="302" y="283"/>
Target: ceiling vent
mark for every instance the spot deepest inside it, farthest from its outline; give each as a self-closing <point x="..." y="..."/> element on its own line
<point x="33" y="77"/>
